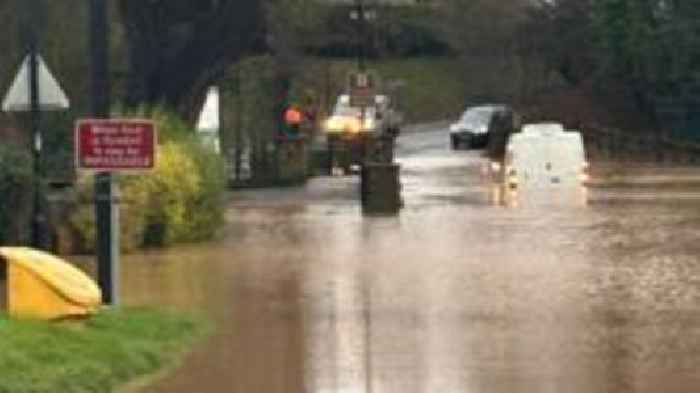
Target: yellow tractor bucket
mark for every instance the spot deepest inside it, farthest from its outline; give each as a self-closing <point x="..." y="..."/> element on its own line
<point x="43" y="286"/>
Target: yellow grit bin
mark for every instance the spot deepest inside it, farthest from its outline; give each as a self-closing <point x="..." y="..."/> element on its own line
<point x="43" y="286"/>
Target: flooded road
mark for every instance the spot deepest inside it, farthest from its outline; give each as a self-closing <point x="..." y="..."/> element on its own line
<point x="459" y="293"/>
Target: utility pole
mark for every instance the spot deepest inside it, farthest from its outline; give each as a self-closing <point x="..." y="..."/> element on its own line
<point x="107" y="213"/>
<point x="359" y="15"/>
<point x="361" y="11"/>
<point x="362" y="15"/>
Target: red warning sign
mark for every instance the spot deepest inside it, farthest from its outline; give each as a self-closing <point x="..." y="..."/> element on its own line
<point x="115" y="145"/>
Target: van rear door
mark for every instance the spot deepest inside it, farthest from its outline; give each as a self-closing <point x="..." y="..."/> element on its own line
<point x="548" y="158"/>
<point x="528" y="158"/>
<point x="567" y="158"/>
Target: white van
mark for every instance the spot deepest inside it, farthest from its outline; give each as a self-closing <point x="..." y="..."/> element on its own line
<point x="545" y="155"/>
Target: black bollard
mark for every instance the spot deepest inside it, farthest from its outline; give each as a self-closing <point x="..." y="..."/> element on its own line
<point x="380" y="188"/>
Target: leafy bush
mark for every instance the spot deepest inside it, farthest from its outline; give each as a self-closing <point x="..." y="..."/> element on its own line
<point x="57" y="154"/>
<point x="191" y="172"/>
<point x="207" y="210"/>
<point x="172" y="190"/>
<point x="16" y="182"/>
<point x="132" y="219"/>
<point x="181" y="200"/>
<point x="170" y="126"/>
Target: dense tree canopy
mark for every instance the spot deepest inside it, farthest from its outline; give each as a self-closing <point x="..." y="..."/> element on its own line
<point x="651" y="46"/>
<point x="168" y="51"/>
<point x="648" y="48"/>
<point x="177" y="48"/>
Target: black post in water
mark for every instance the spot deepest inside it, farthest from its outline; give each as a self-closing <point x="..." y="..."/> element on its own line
<point x="38" y="225"/>
<point x="105" y="209"/>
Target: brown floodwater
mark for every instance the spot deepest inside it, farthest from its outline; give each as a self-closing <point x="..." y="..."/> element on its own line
<point x="555" y="291"/>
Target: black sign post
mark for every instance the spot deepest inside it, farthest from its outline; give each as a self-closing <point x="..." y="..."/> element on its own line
<point x="362" y="15"/>
<point x="107" y="213"/>
<point x="38" y="227"/>
<point x="362" y="87"/>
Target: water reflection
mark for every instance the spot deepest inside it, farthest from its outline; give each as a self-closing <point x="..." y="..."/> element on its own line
<point x="559" y="196"/>
<point x="454" y="295"/>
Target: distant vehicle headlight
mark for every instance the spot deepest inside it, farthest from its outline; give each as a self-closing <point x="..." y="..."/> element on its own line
<point x="348" y="124"/>
<point x="354" y="126"/>
<point x="512" y="178"/>
<point x="333" y="124"/>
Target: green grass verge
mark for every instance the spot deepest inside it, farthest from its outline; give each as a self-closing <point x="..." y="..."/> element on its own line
<point x="434" y="87"/>
<point x="98" y="355"/>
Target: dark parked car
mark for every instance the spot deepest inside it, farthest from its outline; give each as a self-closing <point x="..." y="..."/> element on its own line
<point x="474" y="128"/>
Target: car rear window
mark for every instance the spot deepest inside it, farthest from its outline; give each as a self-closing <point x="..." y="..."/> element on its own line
<point x="480" y="115"/>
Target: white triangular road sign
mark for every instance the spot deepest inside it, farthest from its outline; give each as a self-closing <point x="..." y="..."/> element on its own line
<point x="208" y="123"/>
<point x="209" y="116"/>
<point x="51" y="96"/>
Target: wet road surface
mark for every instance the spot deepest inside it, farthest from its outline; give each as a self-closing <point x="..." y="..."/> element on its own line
<point x="460" y="293"/>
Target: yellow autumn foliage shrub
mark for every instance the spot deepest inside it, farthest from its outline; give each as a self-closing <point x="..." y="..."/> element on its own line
<point x="181" y="200"/>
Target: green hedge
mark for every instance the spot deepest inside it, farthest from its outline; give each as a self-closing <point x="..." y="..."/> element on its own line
<point x="181" y="200"/>
<point x="16" y="182"/>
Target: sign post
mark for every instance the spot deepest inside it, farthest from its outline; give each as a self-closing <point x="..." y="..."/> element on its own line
<point x="106" y="146"/>
<point x="33" y="90"/>
<point x="362" y="15"/>
<point x="106" y="213"/>
<point x="39" y="222"/>
<point x="362" y="87"/>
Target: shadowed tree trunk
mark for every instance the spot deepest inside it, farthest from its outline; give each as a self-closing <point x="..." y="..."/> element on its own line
<point x="177" y="48"/>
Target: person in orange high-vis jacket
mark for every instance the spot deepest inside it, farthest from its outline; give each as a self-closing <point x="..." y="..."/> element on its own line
<point x="293" y="117"/>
